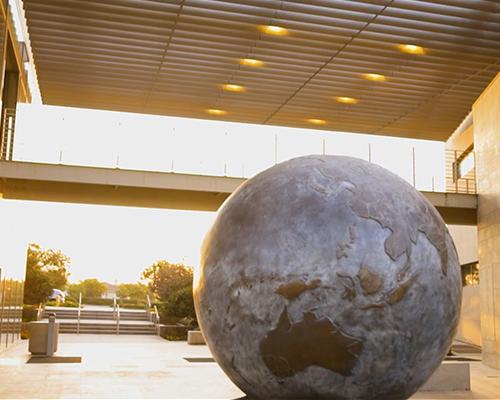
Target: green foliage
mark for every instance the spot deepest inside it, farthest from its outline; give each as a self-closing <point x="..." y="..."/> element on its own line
<point x="67" y="303"/>
<point x="132" y="292"/>
<point x="132" y="304"/>
<point x="98" y="301"/>
<point x="172" y="286"/>
<point x="29" y="313"/>
<point x="165" y="278"/>
<point x="45" y="270"/>
<point x="89" y="288"/>
<point x="179" y="304"/>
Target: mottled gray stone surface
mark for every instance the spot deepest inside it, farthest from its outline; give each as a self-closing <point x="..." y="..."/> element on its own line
<point x="328" y="276"/>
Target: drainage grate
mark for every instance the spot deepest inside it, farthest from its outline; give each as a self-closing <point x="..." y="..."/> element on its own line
<point x="199" y="359"/>
<point x="53" y="360"/>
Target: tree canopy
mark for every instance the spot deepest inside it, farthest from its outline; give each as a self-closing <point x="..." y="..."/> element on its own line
<point x="89" y="288"/>
<point x="172" y="286"/>
<point x="165" y="278"/>
<point x="45" y="270"/>
<point x="132" y="291"/>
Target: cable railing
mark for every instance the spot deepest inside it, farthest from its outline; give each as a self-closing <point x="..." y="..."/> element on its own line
<point x="441" y="171"/>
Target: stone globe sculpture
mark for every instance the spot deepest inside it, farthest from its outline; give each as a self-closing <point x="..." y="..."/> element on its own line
<point x="328" y="276"/>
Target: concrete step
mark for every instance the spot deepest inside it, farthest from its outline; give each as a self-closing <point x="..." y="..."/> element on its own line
<point x="99" y="315"/>
<point x="107" y="328"/>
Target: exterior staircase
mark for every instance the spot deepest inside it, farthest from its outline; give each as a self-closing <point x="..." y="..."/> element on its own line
<point x="95" y="319"/>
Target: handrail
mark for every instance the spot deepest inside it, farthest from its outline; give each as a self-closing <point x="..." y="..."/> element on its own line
<point x="39" y="312"/>
<point x="148" y="308"/>
<point x="79" y="313"/>
<point x="118" y="319"/>
<point x="114" y="306"/>
<point x="156" y="315"/>
<point x="156" y="319"/>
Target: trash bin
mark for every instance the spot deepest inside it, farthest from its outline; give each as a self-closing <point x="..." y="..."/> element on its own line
<point x="43" y="336"/>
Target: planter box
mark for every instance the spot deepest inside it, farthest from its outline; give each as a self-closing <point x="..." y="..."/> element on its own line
<point x="195" y="337"/>
<point x="173" y="331"/>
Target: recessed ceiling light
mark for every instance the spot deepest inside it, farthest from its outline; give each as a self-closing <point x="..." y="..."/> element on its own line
<point x="216" y="111"/>
<point x="231" y="87"/>
<point x="346" y="100"/>
<point x="316" y="121"/>
<point x="375" y="77"/>
<point x="251" y="62"/>
<point x="411" y="49"/>
<point x="274" y="30"/>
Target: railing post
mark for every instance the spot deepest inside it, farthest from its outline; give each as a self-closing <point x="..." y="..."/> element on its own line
<point x="79" y="313"/>
<point x="157" y="320"/>
<point x="118" y="319"/>
<point x="148" y="307"/>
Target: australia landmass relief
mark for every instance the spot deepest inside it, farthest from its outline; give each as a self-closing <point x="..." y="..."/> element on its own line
<point x="293" y="347"/>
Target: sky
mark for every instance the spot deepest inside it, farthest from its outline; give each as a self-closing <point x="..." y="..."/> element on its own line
<point x="115" y="244"/>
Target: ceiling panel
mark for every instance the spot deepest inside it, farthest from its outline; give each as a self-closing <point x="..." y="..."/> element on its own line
<point x="172" y="58"/>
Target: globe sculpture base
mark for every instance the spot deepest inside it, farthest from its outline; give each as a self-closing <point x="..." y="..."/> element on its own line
<point x="329" y="277"/>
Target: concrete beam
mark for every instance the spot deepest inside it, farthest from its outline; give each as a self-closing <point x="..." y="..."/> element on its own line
<point x="120" y="187"/>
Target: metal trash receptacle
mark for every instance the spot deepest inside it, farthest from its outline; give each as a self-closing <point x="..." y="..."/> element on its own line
<point x="43" y="336"/>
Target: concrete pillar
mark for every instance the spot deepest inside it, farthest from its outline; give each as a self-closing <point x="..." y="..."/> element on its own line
<point x="486" y="114"/>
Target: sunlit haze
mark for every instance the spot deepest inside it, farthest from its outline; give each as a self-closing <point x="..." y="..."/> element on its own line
<point x="115" y="244"/>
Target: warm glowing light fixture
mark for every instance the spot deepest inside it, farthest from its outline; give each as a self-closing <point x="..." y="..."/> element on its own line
<point x="375" y="77"/>
<point x="232" y="87"/>
<point x="346" y="100"/>
<point x="316" y="121"/>
<point x="216" y="111"/>
<point x="411" y="49"/>
<point x="251" y="62"/>
<point x="274" y="30"/>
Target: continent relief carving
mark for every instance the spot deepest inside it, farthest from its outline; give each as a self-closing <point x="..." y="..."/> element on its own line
<point x="291" y="348"/>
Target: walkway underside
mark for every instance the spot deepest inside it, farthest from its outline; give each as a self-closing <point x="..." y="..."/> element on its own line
<point x="108" y="186"/>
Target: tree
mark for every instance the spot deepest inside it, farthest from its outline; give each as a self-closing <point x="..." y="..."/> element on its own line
<point x="172" y="285"/>
<point x="132" y="291"/>
<point x="180" y="304"/>
<point x="165" y="278"/>
<point x="45" y="270"/>
<point x="89" y="288"/>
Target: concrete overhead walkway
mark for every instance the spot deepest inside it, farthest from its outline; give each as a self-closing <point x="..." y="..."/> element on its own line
<point x="120" y="187"/>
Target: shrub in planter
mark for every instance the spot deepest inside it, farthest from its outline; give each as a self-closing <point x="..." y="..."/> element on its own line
<point x="179" y="304"/>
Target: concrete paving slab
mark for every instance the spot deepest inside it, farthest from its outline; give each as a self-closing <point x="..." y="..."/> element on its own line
<point x="125" y="367"/>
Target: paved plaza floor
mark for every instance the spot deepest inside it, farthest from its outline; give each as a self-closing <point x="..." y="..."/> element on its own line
<point x="151" y="367"/>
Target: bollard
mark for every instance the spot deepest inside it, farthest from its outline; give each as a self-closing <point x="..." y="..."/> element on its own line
<point x="50" y="335"/>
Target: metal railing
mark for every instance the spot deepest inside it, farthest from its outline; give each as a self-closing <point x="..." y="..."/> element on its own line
<point x="118" y="319"/>
<point x="148" y="307"/>
<point x="153" y="316"/>
<point x="114" y="306"/>
<point x="458" y="179"/>
<point x="39" y="312"/>
<point x="7" y="136"/>
<point x="79" y="313"/>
